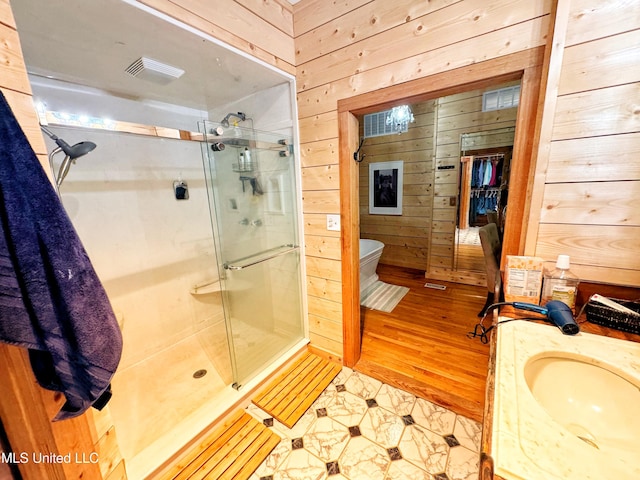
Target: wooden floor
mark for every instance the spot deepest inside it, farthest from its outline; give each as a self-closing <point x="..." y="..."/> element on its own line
<point x="422" y="346"/>
<point x="289" y="396"/>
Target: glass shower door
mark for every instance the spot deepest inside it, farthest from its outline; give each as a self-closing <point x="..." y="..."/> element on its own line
<point x="252" y="192"/>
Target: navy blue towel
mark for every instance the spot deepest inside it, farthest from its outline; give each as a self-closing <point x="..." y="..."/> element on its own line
<point x="51" y="300"/>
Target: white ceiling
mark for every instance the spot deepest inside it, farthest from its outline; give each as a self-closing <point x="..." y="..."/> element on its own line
<point x="92" y="42"/>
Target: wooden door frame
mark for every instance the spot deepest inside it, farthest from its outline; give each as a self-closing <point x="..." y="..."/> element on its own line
<point x="527" y="66"/>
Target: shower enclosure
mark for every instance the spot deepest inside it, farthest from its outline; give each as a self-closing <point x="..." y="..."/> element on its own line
<point x="251" y="184"/>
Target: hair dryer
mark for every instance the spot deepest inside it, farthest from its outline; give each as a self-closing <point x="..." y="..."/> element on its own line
<point x="557" y="312"/>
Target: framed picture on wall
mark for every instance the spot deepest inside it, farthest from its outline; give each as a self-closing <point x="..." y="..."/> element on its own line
<point x="385" y="188"/>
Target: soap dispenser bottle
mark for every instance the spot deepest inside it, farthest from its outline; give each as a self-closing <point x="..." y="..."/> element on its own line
<point x="561" y="284"/>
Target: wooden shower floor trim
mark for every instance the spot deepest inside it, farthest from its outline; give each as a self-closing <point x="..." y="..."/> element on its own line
<point x="289" y="396"/>
<point x="231" y="452"/>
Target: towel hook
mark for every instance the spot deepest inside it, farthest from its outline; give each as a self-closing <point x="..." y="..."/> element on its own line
<point x="356" y="154"/>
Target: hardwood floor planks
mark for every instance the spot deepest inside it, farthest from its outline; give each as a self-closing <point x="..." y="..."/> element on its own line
<point x="422" y="346"/>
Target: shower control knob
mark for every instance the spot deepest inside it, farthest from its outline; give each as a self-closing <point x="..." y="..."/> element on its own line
<point x="217" y="147"/>
<point x="217" y="131"/>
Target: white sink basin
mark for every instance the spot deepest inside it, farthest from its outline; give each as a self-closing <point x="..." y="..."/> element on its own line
<point x="593" y="402"/>
<point x="565" y="407"/>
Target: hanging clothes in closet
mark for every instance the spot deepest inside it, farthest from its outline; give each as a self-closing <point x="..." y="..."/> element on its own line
<point x="486" y="178"/>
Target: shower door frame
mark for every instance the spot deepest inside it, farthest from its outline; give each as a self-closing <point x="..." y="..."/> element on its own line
<point x="226" y="266"/>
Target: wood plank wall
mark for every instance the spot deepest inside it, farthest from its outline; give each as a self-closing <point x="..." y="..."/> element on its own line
<point x="406" y="236"/>
<point x="262" y="29"/>
<point x="456" y="114"/>
<point x="357" y="46"/>
<point x="589" y="204"/>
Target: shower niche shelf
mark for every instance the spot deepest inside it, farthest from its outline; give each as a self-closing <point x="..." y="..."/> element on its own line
<point x="242" y="168"/>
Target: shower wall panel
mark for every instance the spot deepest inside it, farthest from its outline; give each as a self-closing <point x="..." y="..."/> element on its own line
<point x="148" y="248"/>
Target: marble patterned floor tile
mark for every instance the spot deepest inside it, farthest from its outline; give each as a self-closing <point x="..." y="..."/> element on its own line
<point x="326" y="439"/>
<point x="301" y="465"/>
<point x="344" y="407"/>
<point x="463" y="464"/>
<point x="364" y="460"/>
<point x="382" y="426"/>
<point x="274" y="460"/>
<point x="424" y="448"/>
<point x="468" y="433"/>
<point x="342" y="377"/>
<point x="395" y="400"/>
<point x="403" y="470"/>
<point x="434" y="417"/>
<point x="363" y="385"/>
<point x="362" y="429"/>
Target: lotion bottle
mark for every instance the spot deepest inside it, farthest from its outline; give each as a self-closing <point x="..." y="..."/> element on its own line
<point x="561" y="284"/>
<point x="247" y="159"/>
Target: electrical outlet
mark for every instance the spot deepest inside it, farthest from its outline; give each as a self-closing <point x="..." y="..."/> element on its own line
<point x="333" y="223"/>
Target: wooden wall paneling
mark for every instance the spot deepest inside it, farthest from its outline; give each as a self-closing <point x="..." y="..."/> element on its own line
<point x="593" y="203"/>
<point x="321" y="201"/>
<point x="278" y="13"/>
<point x="437" y="30"/>
<point x="369" y="20"/>
<point x="187" y="12"/>
<point x="324" y="177"/>
<point x="321" y="307"/>
<point x="316" y="224"/>
<point x="324" y="288"/>
<point x="520" y="40"/>
<point x="330" y="329"/>
<point x="590" y="159"/>
<point x="618" y="60"/>
<point x="321" y="152"/>
<point x="597" y="245"/>
<point x="606" y="111"/>
<point x="325" y="247"/>
<point x="6" y="15"/>
<point x="405" y="245"/>
<point x="308" y="15"/>
<point x="14" y="70"/>
<point x="318" y="127"/>
<point x="592" y="19"/>
<point x="233" y="19"/>
<point x="323" y="268"/>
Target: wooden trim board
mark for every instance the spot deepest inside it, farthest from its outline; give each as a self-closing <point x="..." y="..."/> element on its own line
<point x="289" y="396"/>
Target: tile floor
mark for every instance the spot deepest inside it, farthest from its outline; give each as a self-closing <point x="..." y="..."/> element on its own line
<point x="362" y="429"/>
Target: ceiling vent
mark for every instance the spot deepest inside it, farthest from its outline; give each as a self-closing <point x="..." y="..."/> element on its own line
<point x="154" y="71"/>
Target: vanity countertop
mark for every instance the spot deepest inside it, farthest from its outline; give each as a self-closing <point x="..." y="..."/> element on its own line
<point x="525" y="441"/>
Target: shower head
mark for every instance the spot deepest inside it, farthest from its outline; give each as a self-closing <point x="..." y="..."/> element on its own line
<point x="75" y="151"/>
<point x="71" y="151"/>
<point x="225" y="120"/>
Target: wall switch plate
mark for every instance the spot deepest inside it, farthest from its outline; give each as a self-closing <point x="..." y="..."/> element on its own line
<point x="333" y="223"/>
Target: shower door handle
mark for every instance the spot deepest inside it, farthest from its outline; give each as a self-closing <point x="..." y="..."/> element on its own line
<point x="289" y="248"/>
